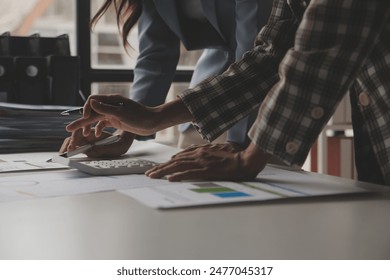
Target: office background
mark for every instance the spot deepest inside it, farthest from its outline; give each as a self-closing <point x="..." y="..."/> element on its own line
<point x="105" y="67"/>
<point x="109" y="225"/>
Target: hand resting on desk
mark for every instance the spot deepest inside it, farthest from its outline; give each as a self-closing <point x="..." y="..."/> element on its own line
<point x="212" y="162"/>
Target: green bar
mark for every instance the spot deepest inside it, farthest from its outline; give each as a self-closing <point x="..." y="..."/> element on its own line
<point x="212" y="190"/>
<point x="207" y="185"/>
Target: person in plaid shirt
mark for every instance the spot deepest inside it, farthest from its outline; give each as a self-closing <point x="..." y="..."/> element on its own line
<point x="304" y="61"/>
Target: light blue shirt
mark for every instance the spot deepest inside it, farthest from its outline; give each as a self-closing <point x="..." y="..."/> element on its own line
<point x="229" y="32"/>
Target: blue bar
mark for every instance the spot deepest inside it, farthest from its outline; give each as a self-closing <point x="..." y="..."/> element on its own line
<point x="231" y="194"/>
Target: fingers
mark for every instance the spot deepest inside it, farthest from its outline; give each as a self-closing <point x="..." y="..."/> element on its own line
<point x="184" y="153"/>
<point x="83" y="123"/>
<point x="172" y="167"/>
<point x="184" y="165"/>
<point x="189" y="175"/>
<point x="97" y="108"/>
<point x="227" y="147"/>
<point x="106" y="108"/>
<point x="77" y="139"/>
<point x="99" y="127"/>
<point x="191" y="149"/>
<point x="113" y="99"/>
<point x="64" y="146"/>
<point x="208" y="162"/>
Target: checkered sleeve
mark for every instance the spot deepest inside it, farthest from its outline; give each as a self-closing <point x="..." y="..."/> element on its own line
<point x="331" y="46"/>
<point x="219" y="102"/>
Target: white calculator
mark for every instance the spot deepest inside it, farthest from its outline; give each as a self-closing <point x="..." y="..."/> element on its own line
<point x="119" y="166"/>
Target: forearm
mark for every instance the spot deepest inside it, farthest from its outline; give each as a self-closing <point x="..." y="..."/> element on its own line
<point x="170" y="114"/>
<point x="127" y="115"/>
<point x="317" y="73"/>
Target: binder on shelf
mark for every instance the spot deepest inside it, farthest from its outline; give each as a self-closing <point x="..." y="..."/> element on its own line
<point x="18" y="45"/>
<point x="38" y="70"/>
<point x="4" y="44"/>
<point x="38" y="79"/>
<point x="58" y="46"/>
<point x="64" y="79"/>
<point x="7" y="90"/>
<point x="34" y="45"/>
<point x="31" y="79"/>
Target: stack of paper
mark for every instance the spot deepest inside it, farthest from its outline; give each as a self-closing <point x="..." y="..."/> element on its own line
<point x="29" y="128"/>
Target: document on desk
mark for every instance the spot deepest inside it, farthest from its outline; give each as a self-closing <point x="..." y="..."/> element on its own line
<point x="271" y="184"/>
<point x="36" y="185"/>
<point x="24" y="165"/>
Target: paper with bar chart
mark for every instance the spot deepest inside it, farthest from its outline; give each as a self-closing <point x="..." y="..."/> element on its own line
<point x="271" y="184"/>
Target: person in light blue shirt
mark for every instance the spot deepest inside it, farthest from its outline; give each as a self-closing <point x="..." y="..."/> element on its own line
<point x="223" y="29"/>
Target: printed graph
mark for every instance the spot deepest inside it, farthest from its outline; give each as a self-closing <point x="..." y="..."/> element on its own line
<point x="218" y="190"/>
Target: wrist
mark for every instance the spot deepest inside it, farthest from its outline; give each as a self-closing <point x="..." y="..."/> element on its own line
<point x="254" y="159"/>
<point x="170" y="114"/>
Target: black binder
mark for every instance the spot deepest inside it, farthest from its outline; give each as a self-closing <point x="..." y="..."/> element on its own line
<point x="18" y="45"/>
<point x="38" y="70"/>
<point x="31" y="80"/>
<point x="7" y="90"/>
<point x="54" y="46"/>
<point x="64" y="80"/>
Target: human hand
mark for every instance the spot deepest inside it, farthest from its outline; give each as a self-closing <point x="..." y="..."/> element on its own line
<point x="113" y="111"/>
<point x="227" y="147"/>
<point x="116" y="149"/>
<point x="212" y="162"/>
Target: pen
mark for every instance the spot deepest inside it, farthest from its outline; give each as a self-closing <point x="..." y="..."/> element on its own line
<point x="77" y="111"/>
<point x="109" y="140"/>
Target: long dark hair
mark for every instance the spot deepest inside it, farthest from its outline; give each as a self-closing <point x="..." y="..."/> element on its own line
<point x="127" y="15"/>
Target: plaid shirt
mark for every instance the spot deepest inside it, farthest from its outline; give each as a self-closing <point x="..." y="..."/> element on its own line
<point x="304" y="61"/>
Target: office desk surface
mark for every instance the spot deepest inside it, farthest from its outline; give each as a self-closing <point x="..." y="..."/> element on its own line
<point x="110" y="225"/>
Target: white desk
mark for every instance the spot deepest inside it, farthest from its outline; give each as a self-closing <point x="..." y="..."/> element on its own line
<point x="113" y="226"/>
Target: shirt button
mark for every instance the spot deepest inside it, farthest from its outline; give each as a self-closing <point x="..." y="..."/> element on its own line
<point x="364" y="99"/>
<point x="317" y="113"/>
<point x="292" y="148"/>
